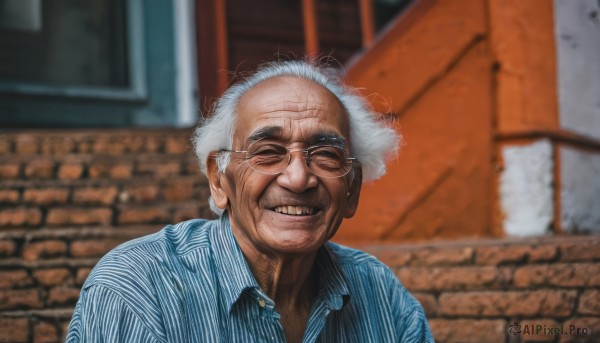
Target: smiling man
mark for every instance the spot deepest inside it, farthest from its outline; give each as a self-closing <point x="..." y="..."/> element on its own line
<point x="285" y="152"/>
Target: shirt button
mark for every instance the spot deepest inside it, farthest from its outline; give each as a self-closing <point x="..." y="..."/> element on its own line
<point x="262" y="302"/>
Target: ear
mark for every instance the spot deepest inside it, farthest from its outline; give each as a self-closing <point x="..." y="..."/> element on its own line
<point x="214" y="180"/>
<point x="354" y="193"/>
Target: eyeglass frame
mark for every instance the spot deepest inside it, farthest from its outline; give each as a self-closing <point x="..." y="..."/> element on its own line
<point x="352" y="160"/>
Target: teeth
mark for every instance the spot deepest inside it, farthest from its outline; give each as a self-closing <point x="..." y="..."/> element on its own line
<point x="294" y="210"/>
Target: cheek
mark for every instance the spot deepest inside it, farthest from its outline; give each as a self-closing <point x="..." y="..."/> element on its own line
<point x="248" y="188"/>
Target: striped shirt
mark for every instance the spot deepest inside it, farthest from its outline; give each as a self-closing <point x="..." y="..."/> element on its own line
<point x="190" y="282"/>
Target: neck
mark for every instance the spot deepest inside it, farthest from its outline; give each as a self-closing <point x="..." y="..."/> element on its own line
<point x="287" y="280"/>
<point x="290" y="280"/>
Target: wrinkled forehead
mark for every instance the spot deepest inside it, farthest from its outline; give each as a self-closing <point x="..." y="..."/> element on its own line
<point x="293" y="109"/>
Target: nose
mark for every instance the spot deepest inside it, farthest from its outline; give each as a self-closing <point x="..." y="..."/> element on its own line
<point x="297" y="176"/>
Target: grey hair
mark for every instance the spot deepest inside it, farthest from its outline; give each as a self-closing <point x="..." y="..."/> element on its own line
<point x="371" y="141"/>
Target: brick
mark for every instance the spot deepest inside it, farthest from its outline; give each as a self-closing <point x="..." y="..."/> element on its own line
<point x="202" y="193"/>
<point x="116" y="171"/>
<point x="44" y="332"/>
<point x="160" y="169"/>
<point x="587" y="250"/>
<point x="456" y="278"/>
<point x="589" y="302"/>
<point x="70" y="171"/>
<point x="46" y="196"/>
<point x="83" y="146"/>
<point x="153" y="144"/>
<point x="5" y="145"/>
<point x="177" y="145"/>
<point x="443" y="257"/>
<point x="141" y="193"/>
<point x="95" y="195"/>
<point x="9" y="196"/>
<point x="560" y="274"/>
<point x="138" y="215"/>
<point x="13" y="299"/>
<point x="536" y="330"/>
<point x="192" y="168"/>
<point x="52" y="277"/>
<point x="9" y="171"/>
<point x="14" y="330"/>
<point x="182" y="214"/>
<point x="79" y="216"/>
<point x="392" y="257"/>
<point x="26" y="144"/>
<point x="93" y="248"/>
<point x="133" y="144"/>
<point x="58" y="145"/>
<point x="428" y="302"/>
<point x="63" y="296"/>
<point x="543" y="253"/>
<point x="7" y="248"/>
<point x="548" y="303"/>
<point x="121" y="171"/>
<point x="15" y="279"/>
<point x="468" y="330"/>
<point x="495" y="255"/>
<point x="82" y="274"/>
<point x="40" y="169"/>
<point x="44" y="249"/>
<point x="178" y="190"/>
<point x="108" y="146"/>
<point x="584" y="329"/>
<point x="20" y="217"/>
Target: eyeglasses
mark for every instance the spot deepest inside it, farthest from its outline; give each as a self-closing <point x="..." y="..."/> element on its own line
<point x="272" y="158"/>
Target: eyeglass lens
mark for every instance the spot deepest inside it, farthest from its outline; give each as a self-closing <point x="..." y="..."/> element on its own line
<point x="325" y="161"/>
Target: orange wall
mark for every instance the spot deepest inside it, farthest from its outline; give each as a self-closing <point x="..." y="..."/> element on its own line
<point x="459" y="77"/>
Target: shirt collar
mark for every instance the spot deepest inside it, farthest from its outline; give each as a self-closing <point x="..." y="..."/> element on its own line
<point x="236" y="276"/>
<point x="232" y="267"/>
<point x="332" y="283"/>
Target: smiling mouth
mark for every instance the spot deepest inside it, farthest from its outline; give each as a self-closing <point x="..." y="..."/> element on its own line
<point x="296" y="210"/>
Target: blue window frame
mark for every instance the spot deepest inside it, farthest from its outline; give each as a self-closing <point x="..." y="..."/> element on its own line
<point x="143" y="83"/>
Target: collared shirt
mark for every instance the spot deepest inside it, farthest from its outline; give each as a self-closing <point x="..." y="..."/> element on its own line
<point x="190" y="282"/>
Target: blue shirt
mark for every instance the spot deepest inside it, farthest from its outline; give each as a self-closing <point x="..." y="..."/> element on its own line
<point x="190" y="282"/>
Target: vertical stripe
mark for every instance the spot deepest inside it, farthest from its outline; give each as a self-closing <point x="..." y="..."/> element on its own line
<point x="190" y="282"/>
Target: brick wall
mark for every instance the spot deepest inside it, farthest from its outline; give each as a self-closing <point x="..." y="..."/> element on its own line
<point x="473" y="291"/>
<point x="68" y="197"/>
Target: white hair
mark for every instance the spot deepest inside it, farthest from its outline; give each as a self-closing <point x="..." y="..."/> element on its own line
<point x="372" y="141"/>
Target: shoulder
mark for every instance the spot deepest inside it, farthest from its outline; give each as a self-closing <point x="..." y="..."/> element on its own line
<point x="371" y="281"/>
<point x="349" y="258"/>
<point x="364" y="270"/>
<point x="135" y="259"/>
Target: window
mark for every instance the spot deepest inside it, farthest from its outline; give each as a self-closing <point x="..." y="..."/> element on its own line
<point x="72" y="63"/>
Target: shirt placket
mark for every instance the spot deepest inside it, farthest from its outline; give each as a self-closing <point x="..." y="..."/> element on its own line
<point x="268" y="326"/>
<point x="318" y="316"/>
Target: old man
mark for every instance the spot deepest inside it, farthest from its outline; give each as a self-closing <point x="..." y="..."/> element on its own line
<point x="285" y="152"/>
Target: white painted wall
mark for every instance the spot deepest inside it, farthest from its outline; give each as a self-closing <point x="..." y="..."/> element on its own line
<point x="580" y="190"/>
<point x="577" y="28"/>
<point x="526" y="193"/>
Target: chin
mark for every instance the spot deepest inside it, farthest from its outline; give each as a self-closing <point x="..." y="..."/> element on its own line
<point x="297" y="242"/>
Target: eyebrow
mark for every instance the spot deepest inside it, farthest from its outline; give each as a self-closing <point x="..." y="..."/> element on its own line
<point x="328" y="138"/>
<point x="320" y="138"/>
<point x="269" y="132"/>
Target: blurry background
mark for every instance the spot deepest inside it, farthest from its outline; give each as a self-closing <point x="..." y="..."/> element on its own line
<point x="490" y="215"/>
